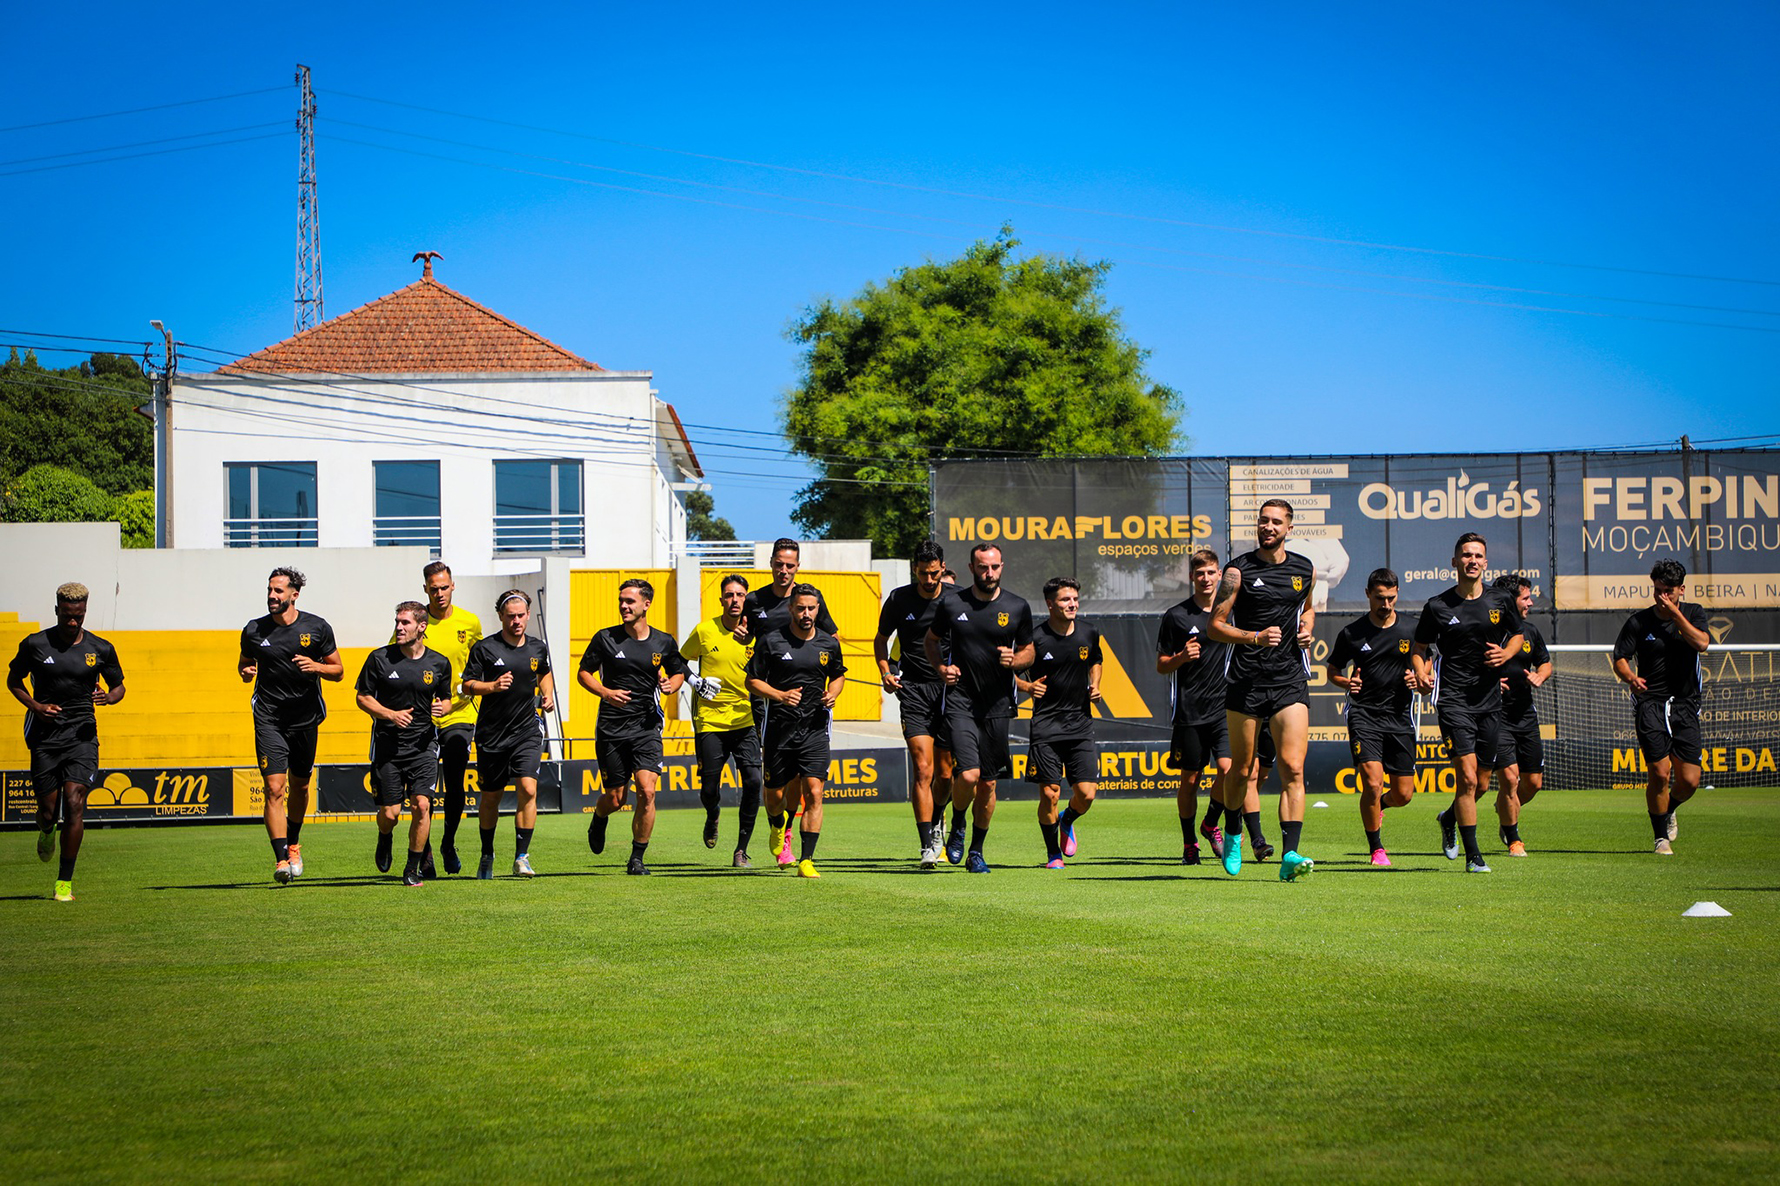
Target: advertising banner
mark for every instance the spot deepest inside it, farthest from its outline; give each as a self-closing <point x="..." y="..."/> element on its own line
<point x="1717" y="513"/>
<point x="153" y="793"/>
<point x="347" y="790"/>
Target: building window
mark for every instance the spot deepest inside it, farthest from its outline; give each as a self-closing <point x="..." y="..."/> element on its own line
<point x="407" y="505"/>
<point x="537" y="507"/>
<point x="271" y="505"/>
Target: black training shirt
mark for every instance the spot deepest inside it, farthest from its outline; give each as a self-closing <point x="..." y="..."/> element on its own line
<point x="1460" y="630"/>
<point x="786" y="661"/>
<point x="397" y="682"/>
<point x="65" y="675"/>
<point x="633" y="665"/>
<point x="508" y="719"/>
<point x="282" y="694"/>
<point x="1271" y="595"/>
<point x="907" y="616"/>
<point x="1517" y="700"/>
<point x="969" y="630"/>
<point x="1197" y="692"/>
<point x="766" y="611"/>
<point x="1063" y="661"/>
<point x="1382" y="655"/>
<point x="1665" y="662"/>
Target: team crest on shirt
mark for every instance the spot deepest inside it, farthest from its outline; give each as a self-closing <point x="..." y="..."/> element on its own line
<point x="1495" y="617"/>
<point x="303" y="640"/>
<point x="463" y="636"/>
<point x="426" y="677"/>
<point x="1081" y="653"/>
<point x="534" y="664"/>
<point x="1356" y="749"/>
<point x="1001" y="619"/>
<point x="1526" y="648"/>
<point x="1297" y="584"/>
<point x="655" y="659"/>
<point x="822" y="658"/>
<point x="1402" y="646"/>
<point x="92" y="659"/>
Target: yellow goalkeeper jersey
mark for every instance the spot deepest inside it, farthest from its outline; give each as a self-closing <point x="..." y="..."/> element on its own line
<point x="720" y="657"/>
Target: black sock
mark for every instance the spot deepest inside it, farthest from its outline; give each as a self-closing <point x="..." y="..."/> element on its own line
<point x="487" y="840"/>
<point x="293" y="828"/>
<point x="1290" y="830"/>
<point x="65" y="869"/>
<point x="281" y="849"/>
<point x="976" y="836"/>
<point x="1214" y="811"/>
<point x="413" y="865"/>
<point x="1052" y="847"/>
<point x="748" y="814"/>
<point x="1659" y="823"/>
<point x="1252" y="819"/>
<point x="454" y="814"/>
<point x="386" y="843"/>
<point x="1186" y="830"/>
<point x="957" y="820"/>
<point x="1446" y="817"/>
<point x="636" y="850"/>
<point x="522" y="841"/>
<point x="925" y="828"/>
<point x="1233" y="822"/>
<point x="1070" y="815"/>
<point x="1511" y="832"/>
<point x="777" y="821"/>
<point x="1374" y="840"/>
<point x="807" y="845"/>
<point x="1469" y="833"/>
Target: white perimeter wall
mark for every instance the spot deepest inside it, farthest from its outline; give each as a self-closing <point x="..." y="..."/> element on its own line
<point x="610" y="421"/>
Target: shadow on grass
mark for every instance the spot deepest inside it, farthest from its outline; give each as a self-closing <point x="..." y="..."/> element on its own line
<point x="27" y="898"/>
<point x="1707" y="889"/>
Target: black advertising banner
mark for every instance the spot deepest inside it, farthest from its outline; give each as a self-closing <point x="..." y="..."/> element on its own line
<point x="1353" y="515"/>
<point x="1717" y="513"/>
<point x="876" y="775"/>
<point x="1123" y="528"/>
<point x="153" y="793"/>
<point x="346" y="790"/>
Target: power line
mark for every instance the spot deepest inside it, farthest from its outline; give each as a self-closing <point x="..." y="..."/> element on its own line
<point x="26" y="160"/>
<point x="75" y="119"/>
<point x="138" y="155"/>
<point x="1063" y="208"/>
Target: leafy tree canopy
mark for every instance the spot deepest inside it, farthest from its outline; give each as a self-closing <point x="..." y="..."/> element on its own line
<point x="987" y="355"/>
<point x="700" y="522"/>
<point x="81" y="418"/>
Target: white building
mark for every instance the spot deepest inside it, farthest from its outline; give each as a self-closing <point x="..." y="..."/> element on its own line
<point x="426" y="419"/>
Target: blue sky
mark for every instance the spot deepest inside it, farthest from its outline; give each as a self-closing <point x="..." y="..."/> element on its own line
<point x="1638" y="139"/>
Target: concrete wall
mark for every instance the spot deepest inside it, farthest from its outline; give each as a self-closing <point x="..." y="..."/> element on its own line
<point x="607" y="420"/>
<point x="823" y="555"/>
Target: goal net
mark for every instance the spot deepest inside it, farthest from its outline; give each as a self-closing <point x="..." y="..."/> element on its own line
<point x="1585" y="717"/>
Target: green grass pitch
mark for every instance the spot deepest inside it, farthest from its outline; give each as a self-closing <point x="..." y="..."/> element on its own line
<point x="1125" y="1020"/>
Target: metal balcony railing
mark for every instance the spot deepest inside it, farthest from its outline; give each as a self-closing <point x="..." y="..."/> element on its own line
<point x="269" y="533"/>
<point x="414" y="531"/>
<point x="718" y="553"/>
<point x="539" y="533"/>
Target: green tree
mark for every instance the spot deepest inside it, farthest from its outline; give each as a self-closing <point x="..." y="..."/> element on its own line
<point x="50" y="494"/>
<point x="80" y="418"/>
<point x="135" y="514"/>
<point x="983" y="356"/>
<point x="700" y="522"/>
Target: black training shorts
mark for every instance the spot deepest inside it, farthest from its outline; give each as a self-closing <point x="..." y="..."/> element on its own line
<point x="1194" y="747"/>
<point x="283" y="750"/>
<point x="620" y="758"/>
<point x="1073" y="761"/>
<point x="396" y="778"/>
<point x="795" y="753"/>
<point x="1521" y="745"/>
<point x="1264" y="700"/>
<point x="924" y="711"/>
<point x="1468" y="729"/>
<point x="718" y="746"/>
<point x="498" y="769"/>
<point x="1668" y="727"/>
<point x="54" y="766"/>
<point x="979" y="744"/>
<point x="1390" y="743"/>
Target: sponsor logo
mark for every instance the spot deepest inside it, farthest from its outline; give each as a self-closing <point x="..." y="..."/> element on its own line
<point x="1047" y="654"/>
<point x="500" y="662"/>
<point x="393" y="675"/>
<point x="168" y="793"/>
<point x="1257" y="584"/>
<point x="1459" y="499"/>
<point x="1366" y="648"/>
<point x="50" y="661"/>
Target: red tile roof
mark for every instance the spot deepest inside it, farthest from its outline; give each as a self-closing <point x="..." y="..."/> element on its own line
<point x="425" y="327"/>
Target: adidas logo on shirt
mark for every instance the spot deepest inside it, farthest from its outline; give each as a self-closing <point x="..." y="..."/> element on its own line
<point x="1453" y="622"/>
<point x="1650" y="638"/>
<point x="50" y="661"/>
<point x="500" y="662"/>
<point x="393" y="675"/>
<point x="786" y="655"/>
<point x="1047" y="654"/>
<point x="1257" y="583"/>
<point x="964" y="617"/>
<point x="1194" y="630"/>
<point x="910" y="618"/>
<point x="265" y="642"/>
<point x="1365" y="648"/>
